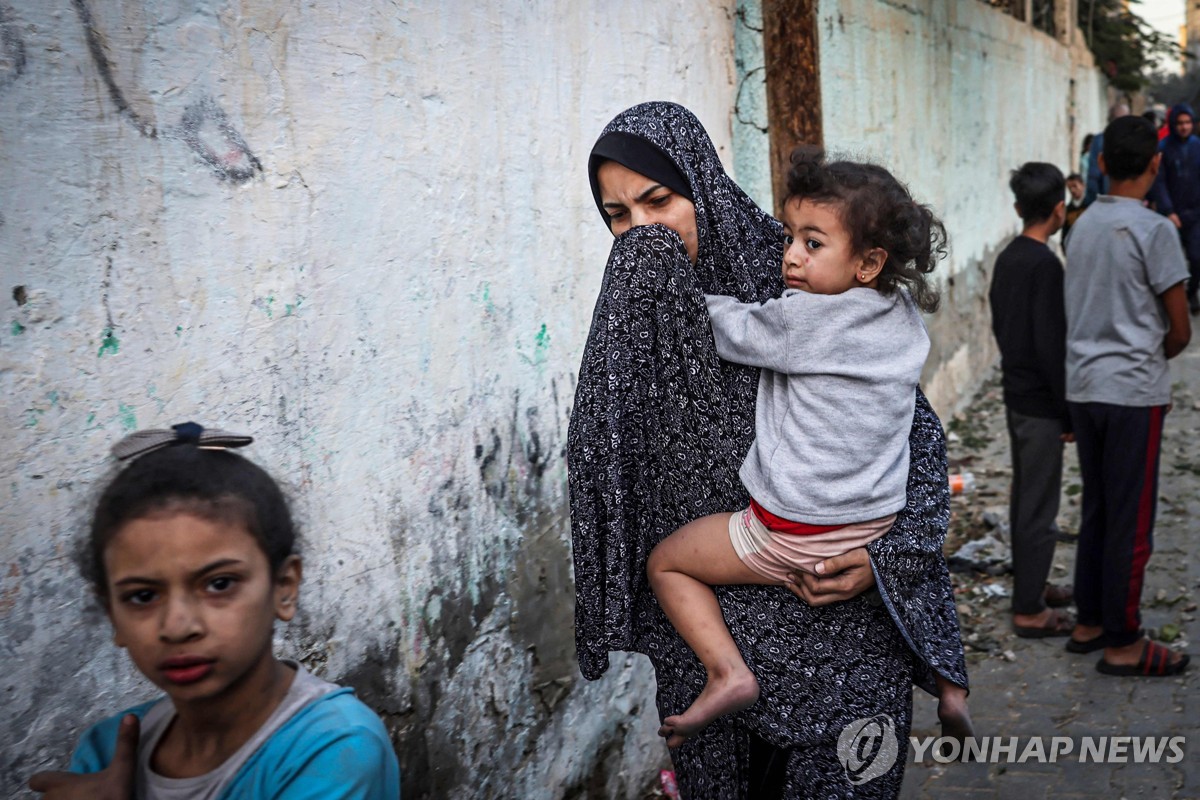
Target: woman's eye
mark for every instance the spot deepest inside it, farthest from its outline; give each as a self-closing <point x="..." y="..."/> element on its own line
<point x="660" y="201"/>
<point x="613" y="216"/>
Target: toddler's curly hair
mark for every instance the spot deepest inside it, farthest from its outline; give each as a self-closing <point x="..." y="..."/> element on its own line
<point x="877" y="211"/>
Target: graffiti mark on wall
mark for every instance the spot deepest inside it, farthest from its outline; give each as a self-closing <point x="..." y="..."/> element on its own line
<point x="12" y="48"/>
<point x="207" y="130"/>
<point x="204" y="127"/>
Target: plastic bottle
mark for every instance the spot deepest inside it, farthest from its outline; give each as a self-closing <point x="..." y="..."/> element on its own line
<point x="962" y="483"/>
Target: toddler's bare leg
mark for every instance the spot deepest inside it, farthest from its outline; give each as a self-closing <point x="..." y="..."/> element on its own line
<point x="682" y="570"/>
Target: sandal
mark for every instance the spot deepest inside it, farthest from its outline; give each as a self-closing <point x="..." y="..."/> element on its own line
<point x="1058" y="624"/>
<point x="1154" y="663"/>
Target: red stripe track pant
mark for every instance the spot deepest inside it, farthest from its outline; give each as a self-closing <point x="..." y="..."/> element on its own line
<point x="1118" y="459"/>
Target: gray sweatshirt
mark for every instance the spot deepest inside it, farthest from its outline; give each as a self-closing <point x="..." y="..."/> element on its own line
<point x="836" y="397"/>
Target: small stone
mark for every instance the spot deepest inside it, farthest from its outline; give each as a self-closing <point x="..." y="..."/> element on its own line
<point x="1009" y="655"/>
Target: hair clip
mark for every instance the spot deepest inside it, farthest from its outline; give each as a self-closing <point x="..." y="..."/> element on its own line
<point x="140" y="443"/>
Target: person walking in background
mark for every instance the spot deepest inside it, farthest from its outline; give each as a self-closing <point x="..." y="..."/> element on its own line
<point x="1176" y="192"/>
<point x="1031" y="329"/>
<point x="1126" y="315"/>
<point x="1076" y="188"/>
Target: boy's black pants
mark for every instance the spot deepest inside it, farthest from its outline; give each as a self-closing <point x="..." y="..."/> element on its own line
<point x="1118" y="458"/>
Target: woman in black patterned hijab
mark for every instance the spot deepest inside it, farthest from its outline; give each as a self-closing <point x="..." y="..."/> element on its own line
<point x="658" y="431"/>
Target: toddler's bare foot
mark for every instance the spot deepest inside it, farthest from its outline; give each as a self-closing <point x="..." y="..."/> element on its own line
<point x="721" y="696"/>
<point x="955" y="718"/>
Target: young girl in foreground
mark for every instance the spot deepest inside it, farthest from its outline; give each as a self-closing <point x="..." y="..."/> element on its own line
<point x="841" y="353"/>
<point x="192" y="554"/>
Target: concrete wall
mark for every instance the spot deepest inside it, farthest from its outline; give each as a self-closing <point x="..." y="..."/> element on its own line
<point x="951" y="95"/>
<point x="361" y="232"/>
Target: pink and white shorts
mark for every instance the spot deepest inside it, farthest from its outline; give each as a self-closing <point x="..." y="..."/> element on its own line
<point x="773" y="554"/>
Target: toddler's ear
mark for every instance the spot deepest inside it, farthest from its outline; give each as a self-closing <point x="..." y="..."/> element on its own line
<point x="872" y="264"/>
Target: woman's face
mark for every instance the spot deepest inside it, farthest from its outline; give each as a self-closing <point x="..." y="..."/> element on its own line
<point x="631" y="199"/>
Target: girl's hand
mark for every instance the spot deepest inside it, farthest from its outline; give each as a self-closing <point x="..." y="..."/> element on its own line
<point x="113" y="783"/>
<point x="840" y="578"/>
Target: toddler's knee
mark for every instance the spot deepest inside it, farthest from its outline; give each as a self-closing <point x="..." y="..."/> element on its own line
<point x="656" y="564"/>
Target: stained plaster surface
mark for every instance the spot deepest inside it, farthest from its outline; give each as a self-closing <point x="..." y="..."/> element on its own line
<point x="951" y="96"/>
<point x="363" y="234"/>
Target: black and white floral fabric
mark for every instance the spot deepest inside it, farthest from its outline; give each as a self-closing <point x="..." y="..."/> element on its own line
<point x="658" y="431"/>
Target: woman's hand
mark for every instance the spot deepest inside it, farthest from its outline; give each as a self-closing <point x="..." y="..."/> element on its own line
<point x="113" y="783"/>
<point x="840" y="578"/>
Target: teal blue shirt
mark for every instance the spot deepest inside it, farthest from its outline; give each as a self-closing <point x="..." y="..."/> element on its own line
<point x="334" y="748"/>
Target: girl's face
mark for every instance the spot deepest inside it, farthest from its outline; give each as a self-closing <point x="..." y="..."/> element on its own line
<point x="817" y="255"/>
<point x="194" y="602"/>
<point x="631" y="199"/>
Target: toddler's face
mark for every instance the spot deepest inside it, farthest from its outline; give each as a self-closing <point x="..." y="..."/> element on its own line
<point x="194" y="602"/>
<point x="817" y="255"/>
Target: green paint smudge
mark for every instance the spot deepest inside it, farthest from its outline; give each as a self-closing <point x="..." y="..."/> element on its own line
<point x="484" y="296"/>
<point x="91" y="418"/>
<point x="128" y="417"/>
<point x="33" y="416"/>
<point x="178" y="330"/>
<point x="17" y="328"/>
<point x="292" y="308"/>
<point x="108" y="344"/>
<point x="53" y="398"/>
<point x="541" y="345"/>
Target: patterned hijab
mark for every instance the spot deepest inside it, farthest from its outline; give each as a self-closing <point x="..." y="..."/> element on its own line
<point x="656" y="412"/>
<point x="741" y="246"/>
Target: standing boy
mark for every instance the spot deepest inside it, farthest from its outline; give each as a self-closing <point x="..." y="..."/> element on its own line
<point x="1031" y="329"/>
<point x="1127" y="314"/>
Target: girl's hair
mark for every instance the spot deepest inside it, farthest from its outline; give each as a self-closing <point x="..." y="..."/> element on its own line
<point x="215" y="485"/>
<point x="878" y="211"/>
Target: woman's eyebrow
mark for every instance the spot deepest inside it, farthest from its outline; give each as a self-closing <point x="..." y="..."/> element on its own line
<point x="649" y="192"/>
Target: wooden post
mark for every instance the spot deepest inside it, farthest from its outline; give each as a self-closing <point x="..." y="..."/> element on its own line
<point x="793" y="83"/>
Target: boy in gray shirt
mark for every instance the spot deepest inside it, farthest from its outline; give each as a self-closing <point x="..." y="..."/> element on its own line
<point x="1126" y="306"/>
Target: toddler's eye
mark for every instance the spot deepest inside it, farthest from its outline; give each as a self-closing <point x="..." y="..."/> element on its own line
<point x="788" y="240"/>
<point x="813" y="244"/>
